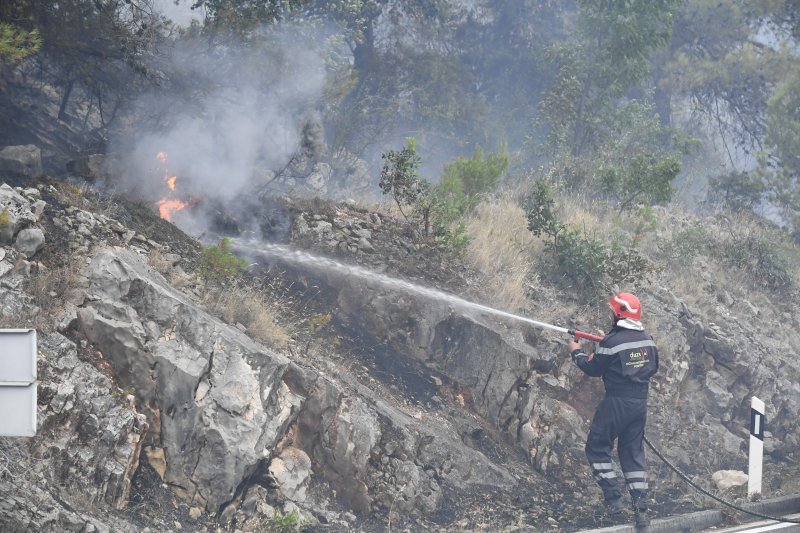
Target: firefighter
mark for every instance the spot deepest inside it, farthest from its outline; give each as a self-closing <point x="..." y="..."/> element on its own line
<point x="626" y="359"/>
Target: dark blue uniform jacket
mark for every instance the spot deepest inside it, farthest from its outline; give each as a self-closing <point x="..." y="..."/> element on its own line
<point x="626" y="359"/>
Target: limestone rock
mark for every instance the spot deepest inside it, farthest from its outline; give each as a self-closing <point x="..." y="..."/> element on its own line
<point x="167" y="348"/>
<point x="15" y="214"/>
<point x="29" y="241"/>
<point x="92" y="439"/>
<point x="291" y="470"/>
<point x="23" y="160"/>
<point x="726" y="479"/>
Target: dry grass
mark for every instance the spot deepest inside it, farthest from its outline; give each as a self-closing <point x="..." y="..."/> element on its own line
<point x="237" y="303"/>
<point x="503" y="249"/>
<point x="50" y="288"/>
<point x="578" y="212"/>
<point x="160" y="263"/>
<point x="175" y="275"/>
<point x="254" y="307"/>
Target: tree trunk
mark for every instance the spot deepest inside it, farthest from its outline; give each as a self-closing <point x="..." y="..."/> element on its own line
<point x="62" y="114"/>
<point x="662" y="97"/>
<point x="577" y="132"/>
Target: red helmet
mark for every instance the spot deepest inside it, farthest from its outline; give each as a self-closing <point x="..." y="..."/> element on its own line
<point x="626" y="305"/>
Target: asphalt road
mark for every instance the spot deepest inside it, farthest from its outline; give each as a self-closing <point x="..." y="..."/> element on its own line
<point x="763" y="526"/>
<point x="709" y="521"/>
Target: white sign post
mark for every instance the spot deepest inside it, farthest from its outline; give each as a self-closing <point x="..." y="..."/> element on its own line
<point x="757" y="421"/>
<point x="17" y="382"/>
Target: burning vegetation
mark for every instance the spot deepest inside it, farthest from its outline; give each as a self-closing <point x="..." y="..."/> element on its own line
<point x="169" y="204"/>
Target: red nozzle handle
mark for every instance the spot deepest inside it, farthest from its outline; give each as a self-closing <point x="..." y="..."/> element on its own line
<point x="582" y="335"/>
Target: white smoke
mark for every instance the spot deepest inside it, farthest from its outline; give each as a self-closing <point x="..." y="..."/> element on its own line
<point x="228" y="115"/>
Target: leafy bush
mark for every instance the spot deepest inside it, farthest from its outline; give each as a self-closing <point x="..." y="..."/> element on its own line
<point x="437" y="209"/>
<point x="463" y="182"/>
<point x="400" y="178"/>
<point x="542" y="217"/>
<point x="454" y="237"/>
<point x="687" y="244"/>
<point x="218" y="264"/>
<point x="400" y="175"/>
<point x="466" y="177"/>
<point x="581" y="260"/>
<point x="585" y="262"/>
<point x="765" y="255"/>
<point x="594" y="267"/>
<point x="644" y="178"/>
<point x="645" y="221"/>
<point x="16" y="43"/>
<point x="737" y="191"/>
<point x="625" y="265"/>
<point x="283" y="523"/>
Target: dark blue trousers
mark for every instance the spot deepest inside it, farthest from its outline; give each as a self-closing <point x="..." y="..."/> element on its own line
<point x="623" y="420"/>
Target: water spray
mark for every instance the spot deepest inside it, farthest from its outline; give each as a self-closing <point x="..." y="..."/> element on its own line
<point x="298" y="256"/>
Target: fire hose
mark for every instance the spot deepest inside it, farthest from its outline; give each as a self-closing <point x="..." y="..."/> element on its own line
<point x="720" y="500"/>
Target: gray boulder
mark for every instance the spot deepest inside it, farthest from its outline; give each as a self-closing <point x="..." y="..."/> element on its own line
<point x="291" y="471"/>
<point x="29" y="241"/>
<point x="24" y="160"/>
<point x="91" y="167"/>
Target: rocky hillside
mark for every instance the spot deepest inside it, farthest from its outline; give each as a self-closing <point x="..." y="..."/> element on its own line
<point x="390" y="406"/>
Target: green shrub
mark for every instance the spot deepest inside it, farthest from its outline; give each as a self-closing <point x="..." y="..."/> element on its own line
<point x="283" y="523"/>
<point x="400" y="175"/>
<point x="437" y="209"/>
<point x="218" y="264"/>
<point x="737" y="191"/>
<point x="583" y="262"/>
<point x="542" y="217"/>
<point x="766" y="255"/>
<point x="645" y="222"/>
<point x="625" y="265"/>
<point x="466" y="177"/>
<point x="685" y="245"/>
<point x="454" y="237"/>
<point x="646" y="177"/>
<point x="16" y="44"/>
<point x="5" y="218"/>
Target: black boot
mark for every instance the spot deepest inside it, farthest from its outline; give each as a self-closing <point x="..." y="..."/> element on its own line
<point x="640" y="518"/>
<point x="615" y="506"/>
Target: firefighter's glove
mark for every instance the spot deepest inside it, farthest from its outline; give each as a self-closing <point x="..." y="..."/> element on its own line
<point x="576" y="351"/>
<point x="572" y="346"/>
<point x="575" y="354"/>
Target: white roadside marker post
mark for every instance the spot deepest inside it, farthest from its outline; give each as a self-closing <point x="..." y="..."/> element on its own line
<point x="757" y="420"/>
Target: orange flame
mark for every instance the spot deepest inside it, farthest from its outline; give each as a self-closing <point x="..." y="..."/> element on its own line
<point x="168" y="206"/>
